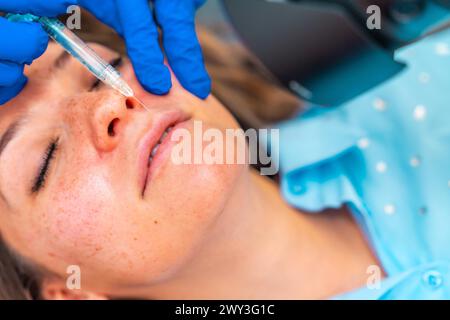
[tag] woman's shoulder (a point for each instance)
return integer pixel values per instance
(386, 155)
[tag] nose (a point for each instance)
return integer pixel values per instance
(110, 114)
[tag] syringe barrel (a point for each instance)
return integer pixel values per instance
(75, 46)
(114, 79)
(88, 57)
(78, 49)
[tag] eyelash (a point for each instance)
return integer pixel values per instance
(46, 161)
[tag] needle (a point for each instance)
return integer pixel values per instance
(141, 103)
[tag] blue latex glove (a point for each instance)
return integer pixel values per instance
(21, 43)
(133, 19)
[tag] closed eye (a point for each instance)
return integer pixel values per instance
(41, 177)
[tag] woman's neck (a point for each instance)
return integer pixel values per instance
(260, 248)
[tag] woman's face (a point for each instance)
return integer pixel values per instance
(75, 187)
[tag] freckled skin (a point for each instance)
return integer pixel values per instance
(91, 212)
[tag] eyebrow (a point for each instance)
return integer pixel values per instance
(13, 128)
(9, 134)
(5, 139)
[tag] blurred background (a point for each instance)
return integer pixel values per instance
(326, 52)
(211, 15)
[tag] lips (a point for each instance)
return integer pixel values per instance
(155, 140)
(158, 144)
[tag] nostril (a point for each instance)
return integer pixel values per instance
(130, 103)
(112, 127)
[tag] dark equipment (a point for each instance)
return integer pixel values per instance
(323, 50)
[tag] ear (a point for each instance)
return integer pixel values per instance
(56, 289)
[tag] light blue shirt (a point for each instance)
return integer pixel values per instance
(386, 155)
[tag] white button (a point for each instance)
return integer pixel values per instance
(442, 49)
(363, 143)
(424, 77)
(389, 209)
(433, 279)
(379, 104)
(415, 161)
(420, 112)
(381, 167)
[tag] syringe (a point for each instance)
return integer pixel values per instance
(80, 50)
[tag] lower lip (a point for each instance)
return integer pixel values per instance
(163, 152)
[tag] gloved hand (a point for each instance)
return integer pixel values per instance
(21, 43)
(133, 19)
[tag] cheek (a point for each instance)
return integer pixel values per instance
(79, 215)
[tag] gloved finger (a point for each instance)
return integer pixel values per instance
(10, 73)
(7, 93)
(21, 42)
(141, 38)
(105, 11)
(49, 8)
(199, 3)
(177, 20)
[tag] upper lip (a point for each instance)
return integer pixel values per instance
(160, 123)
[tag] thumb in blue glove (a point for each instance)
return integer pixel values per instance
(21, 43)
(134, 21)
